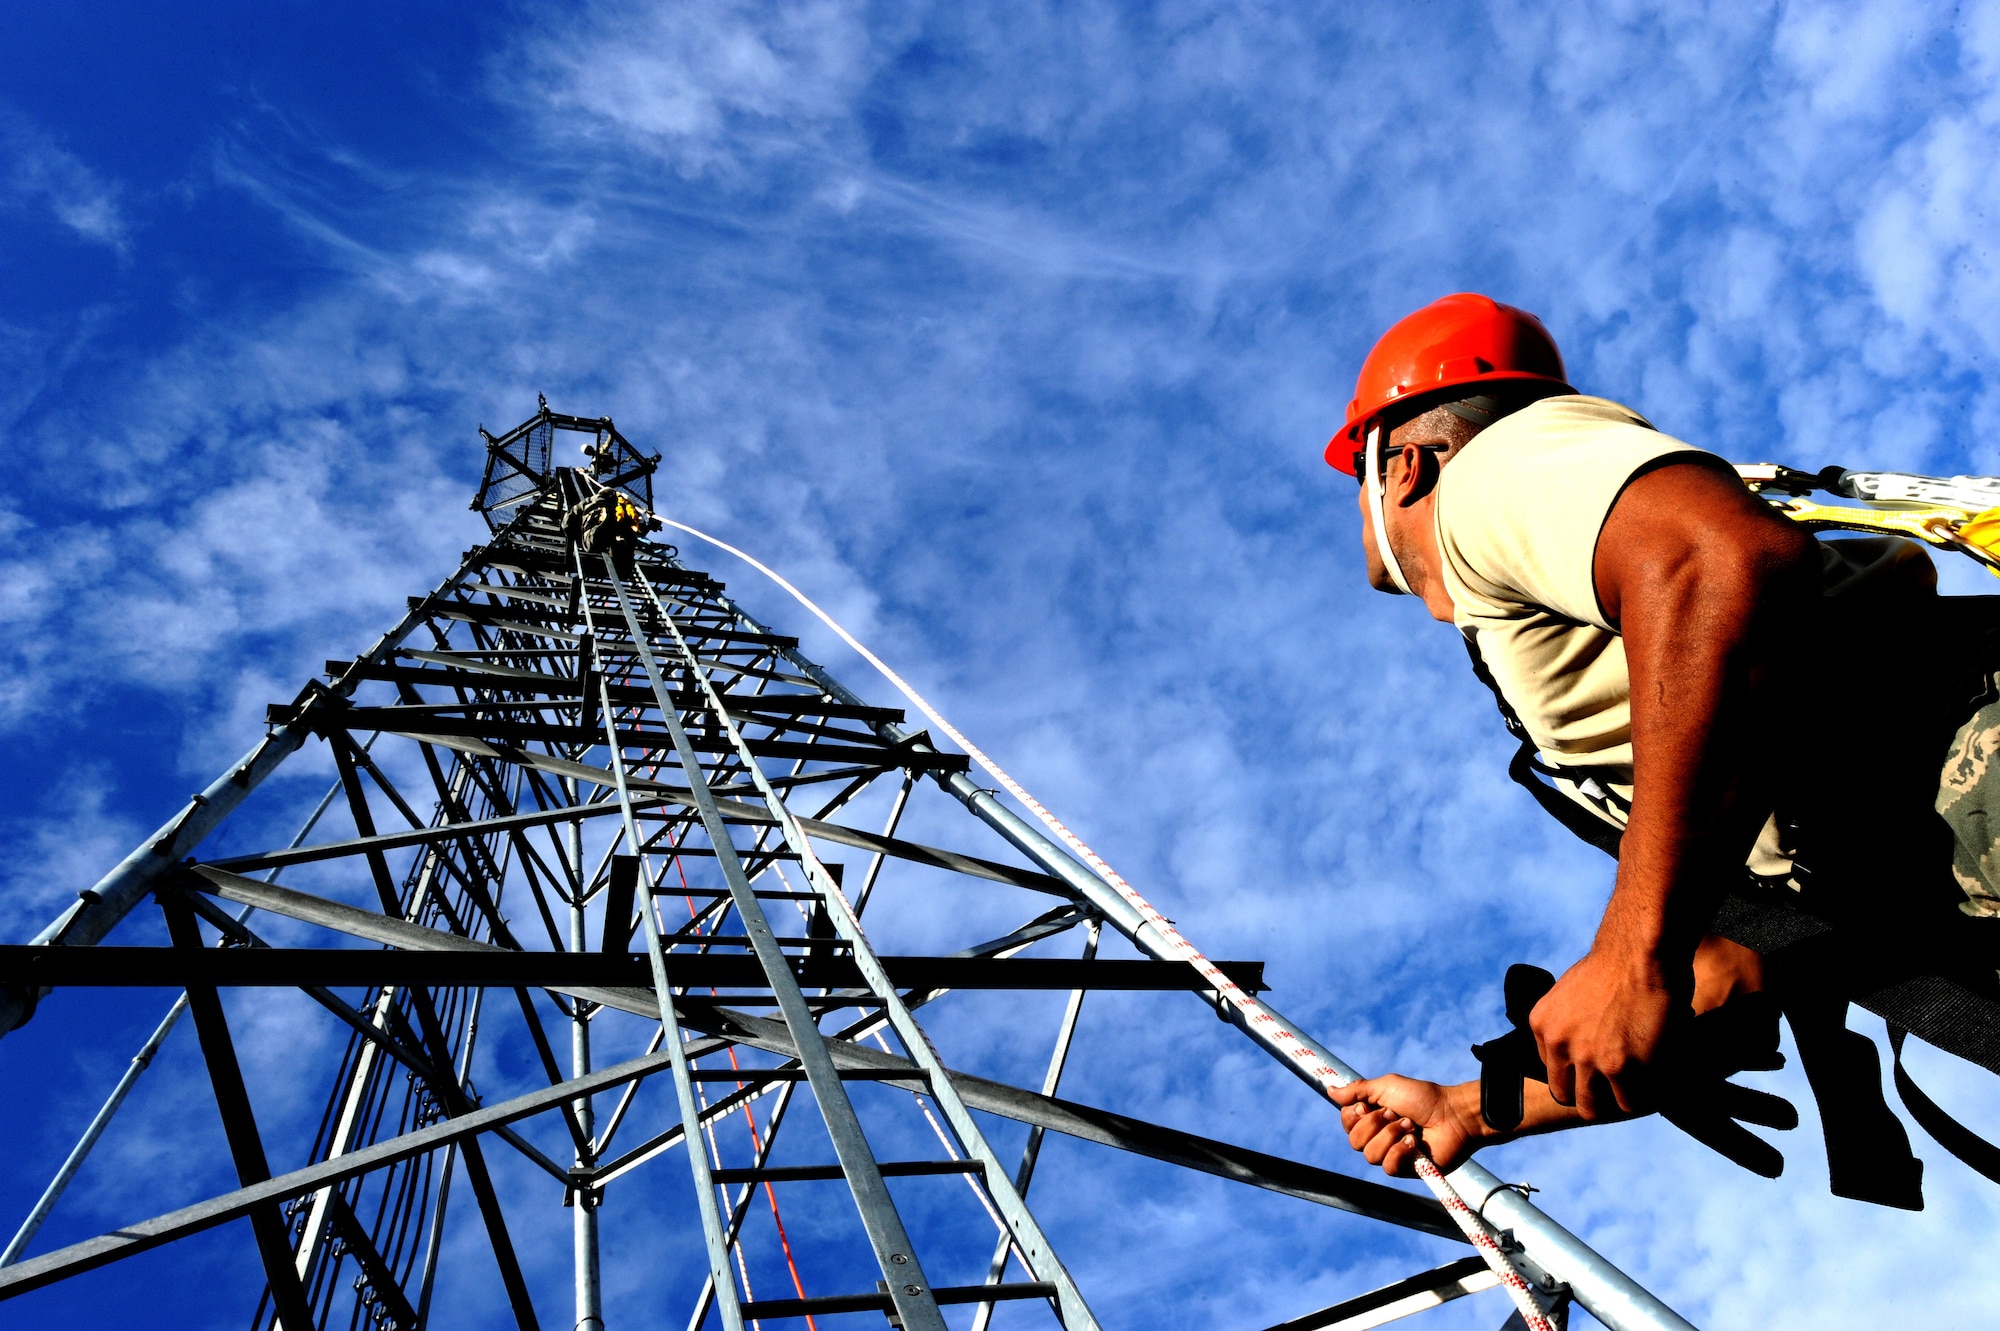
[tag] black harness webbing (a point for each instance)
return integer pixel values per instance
(1527, 769)
(1948, 1132)
(1817, 968)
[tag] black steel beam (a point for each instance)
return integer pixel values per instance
(1444, 1283)
(239, 1124)
(621, 890)
(553, 565)
(299, 967)
(426, 725)
(524, 620)
(828, 1173)
(480, 676)
(769, 1309)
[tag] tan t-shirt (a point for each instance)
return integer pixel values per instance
(1518, 511)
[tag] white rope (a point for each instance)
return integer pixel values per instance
(1299, 1054)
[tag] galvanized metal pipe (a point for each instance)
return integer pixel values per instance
(589, 1284)
(81, 1151)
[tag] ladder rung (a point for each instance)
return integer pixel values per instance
(799, 1074)
(1026, 1289)
(879, 1302)
(823, 946)
(766, 999)
(812, 1173)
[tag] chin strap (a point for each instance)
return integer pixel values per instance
(1373, 461)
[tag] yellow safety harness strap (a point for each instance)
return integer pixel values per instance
(1977, 536)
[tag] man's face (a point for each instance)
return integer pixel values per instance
(1378, 572)
(1408, 451)
(1393, 470)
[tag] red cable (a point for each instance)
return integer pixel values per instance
(750, 1117)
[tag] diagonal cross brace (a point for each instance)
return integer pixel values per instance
(239, 1125)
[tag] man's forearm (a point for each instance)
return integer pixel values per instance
(1706, 587)
(1539, 1114)
(1706, 613)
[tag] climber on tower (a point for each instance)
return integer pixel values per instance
(1683, 666)
(610, 523)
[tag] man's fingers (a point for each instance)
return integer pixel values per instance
(1600, 1096)
(1385, 1143)
(1562, 1078)
(1604, 1096)
(1628, 1092)
(1396, 1161)
(1367, 1126)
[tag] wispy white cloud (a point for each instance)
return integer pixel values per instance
(38, 175)
(708, 90)
(61, 843)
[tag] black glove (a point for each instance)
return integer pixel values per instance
(1701, 1054)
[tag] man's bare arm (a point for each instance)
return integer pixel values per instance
(1387, 1118)
(1707, 586)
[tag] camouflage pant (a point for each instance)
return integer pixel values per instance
(1968, 799)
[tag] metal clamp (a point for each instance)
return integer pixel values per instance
(1522, 1188)
(165, 844)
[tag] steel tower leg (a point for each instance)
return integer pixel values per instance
(589, 1289)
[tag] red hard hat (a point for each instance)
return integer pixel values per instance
(1449, 343)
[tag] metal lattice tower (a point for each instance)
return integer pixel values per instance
(582, 787)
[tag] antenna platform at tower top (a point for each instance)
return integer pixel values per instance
(577, 787)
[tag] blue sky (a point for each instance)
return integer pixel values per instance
(1013, 334)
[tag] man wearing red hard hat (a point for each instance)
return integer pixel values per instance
(1676, 658)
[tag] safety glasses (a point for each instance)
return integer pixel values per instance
(1361, 457)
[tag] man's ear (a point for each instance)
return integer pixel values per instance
(1415, 479)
